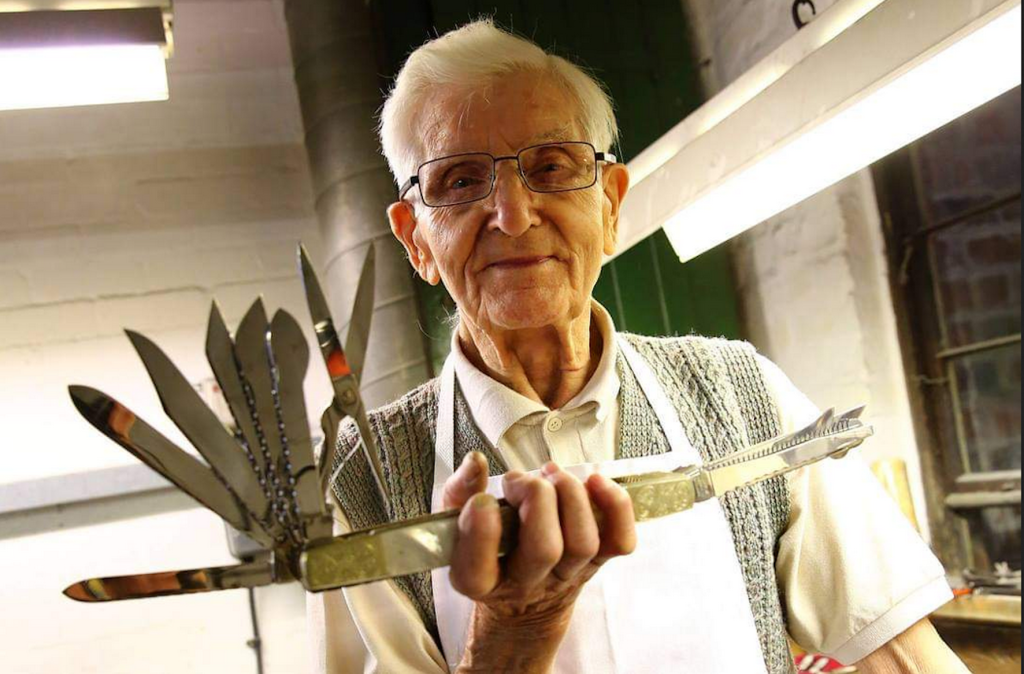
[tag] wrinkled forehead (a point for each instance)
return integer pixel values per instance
(502, 118)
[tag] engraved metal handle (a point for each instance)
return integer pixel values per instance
(427, 542)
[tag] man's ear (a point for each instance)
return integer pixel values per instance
(615, 183)
(405, 227)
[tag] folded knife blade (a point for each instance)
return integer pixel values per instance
(427, 542)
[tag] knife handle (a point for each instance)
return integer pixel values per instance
(427, 542)
(392, 550)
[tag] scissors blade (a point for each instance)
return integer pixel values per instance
(343, 378)
(358, 334)
(122, 426)
(166, 583)
(291, 358)
(330, 350)
(201, 426)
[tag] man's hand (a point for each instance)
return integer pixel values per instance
(523, 603)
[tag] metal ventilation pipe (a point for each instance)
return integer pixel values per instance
(333, 53)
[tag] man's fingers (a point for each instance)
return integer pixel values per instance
(474, 569)
(470, 478)
(618, 527)
(580, 536)
(539, 546)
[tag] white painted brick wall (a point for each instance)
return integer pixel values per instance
(813, 281)
(139, 215)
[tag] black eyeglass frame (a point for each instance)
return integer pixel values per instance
(415, 180)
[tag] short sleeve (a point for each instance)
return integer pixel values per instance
(853, 572)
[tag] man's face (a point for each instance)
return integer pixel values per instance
(517, 259)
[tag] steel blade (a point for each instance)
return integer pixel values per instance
(358, 332)
(187, 473)
(854, 413)
(251, 346)
(291, 358)
(329, 422)
(358, 413)
(810, 450)
(220, 352)
(201, 426)
(162, 584)
(343, 380)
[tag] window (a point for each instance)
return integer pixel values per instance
(951, 207)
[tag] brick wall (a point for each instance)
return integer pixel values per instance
(139, 215)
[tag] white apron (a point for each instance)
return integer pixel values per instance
(637, 614)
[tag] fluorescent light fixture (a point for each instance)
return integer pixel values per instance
(64, 76)
(805, 120)
(82, 57)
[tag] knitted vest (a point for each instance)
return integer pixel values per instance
(719, 393)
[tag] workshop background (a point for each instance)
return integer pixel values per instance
(139, 215)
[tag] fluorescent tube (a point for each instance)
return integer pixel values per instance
(866, 78)
(46, 77)
(969, 73)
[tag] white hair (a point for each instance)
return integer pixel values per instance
(474, 57)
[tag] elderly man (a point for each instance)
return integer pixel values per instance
(510, 198)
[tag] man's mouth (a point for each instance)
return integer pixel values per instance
(520, 262)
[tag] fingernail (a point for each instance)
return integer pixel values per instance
(471, 467)
(550, 468)
(483, 501)
(513, 475)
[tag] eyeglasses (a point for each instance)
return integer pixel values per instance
(463, 178)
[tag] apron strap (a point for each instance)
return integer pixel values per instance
(444, 446)
(659, 401)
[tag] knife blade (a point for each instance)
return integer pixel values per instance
(252, 347)
(192, 581)
(201, 426)
(290, 354)
(220, 352)
(122, 426)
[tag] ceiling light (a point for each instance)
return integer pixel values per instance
(865, 79)
(56, 58)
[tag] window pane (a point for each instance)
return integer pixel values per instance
(977, 265)
(996, 534)
(988, 384)
(973, 160)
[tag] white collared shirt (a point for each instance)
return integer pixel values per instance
(527, 433)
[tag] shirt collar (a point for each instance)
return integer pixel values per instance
(495, 407)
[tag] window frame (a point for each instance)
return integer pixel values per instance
(952, 490)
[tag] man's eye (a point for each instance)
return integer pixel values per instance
(549, 168)
(461, 183)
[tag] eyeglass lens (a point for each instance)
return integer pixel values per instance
(555, 167)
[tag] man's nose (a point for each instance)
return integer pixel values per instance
(512, 209)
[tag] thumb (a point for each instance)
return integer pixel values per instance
(469, 479)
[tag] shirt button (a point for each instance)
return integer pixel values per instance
(554, 424)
